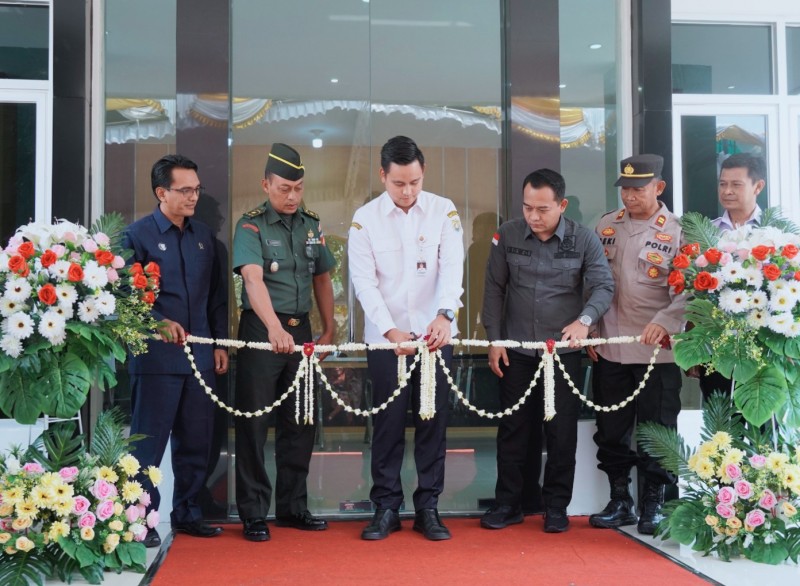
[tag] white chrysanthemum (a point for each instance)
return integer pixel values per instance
(757, 318)
(753, 277)
(781, 323)
(732, 272)
(18, 289)
(11, 345)
(781, 301)
(64, 311)
(105, 303)
(9, 306)
(53, 327)
(794, 329)
(87, 311)
(59, 269)
(19, 325)
(3, 262)
(734, 301)
(759, 300)
(777, 286)
(94, 275)
(67, 294)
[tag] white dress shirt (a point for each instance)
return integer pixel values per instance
(406, 266)
(724, 222)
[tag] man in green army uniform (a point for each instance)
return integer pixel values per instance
(280, 252)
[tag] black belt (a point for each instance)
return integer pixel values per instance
(291, 320)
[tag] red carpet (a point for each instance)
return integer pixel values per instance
(521, 554)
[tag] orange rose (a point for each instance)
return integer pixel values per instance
(18, 265)
(789, 251)
(140, 281)
(104, 257)
(679, 288)
(797, 276)
(675, 277)
(152, 268)
(75, 273)
(681, 261)
(691, 249)
(760, 252)
(26, 250)
(713, 255)
(136, 269)
(149, 297)
(48, 258)
(47, 294)
(772, 272)
(705, 281)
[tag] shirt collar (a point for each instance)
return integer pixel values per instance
(165, 224)
(273, 217)
(753, 220)
(387, 206)
(559, 231)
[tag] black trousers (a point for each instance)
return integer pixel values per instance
(659, 401)
(174, 408)
(389, 428)
(519, 435)
(713, 382)
(262, 377)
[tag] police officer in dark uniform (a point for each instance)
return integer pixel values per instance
(546, 278)
(166, 398)
(280, 251)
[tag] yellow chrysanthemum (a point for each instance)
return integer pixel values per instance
(707, 449)
(63, 506)
(722, 440)
(41, 496)
(58, 529)
(732, 456)
(50, 479)
(24, 544)
(127, 537)
(20, 523)
(116, 525)
(27, 509)
(128, 464)
(734, 523)
(790, 474)
(788, 509)
(154, 474)
(776, 461)
(4, 537)
(107, 473)
(705, 469)
(62, 491)
(87, 533)
(13, 496)
(6, 509)
(712, 521)
(131, 491)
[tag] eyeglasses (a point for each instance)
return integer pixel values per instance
(188, 191)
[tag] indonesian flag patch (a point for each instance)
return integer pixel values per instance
(496, 238)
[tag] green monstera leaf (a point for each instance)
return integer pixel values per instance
(68, 381)
(21, 397)
(762, 395)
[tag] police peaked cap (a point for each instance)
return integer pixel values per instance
(285, 162)
(639, 170)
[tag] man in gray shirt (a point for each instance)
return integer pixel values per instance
(547, 278)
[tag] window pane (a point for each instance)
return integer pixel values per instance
(24, 42)
(793, 58)
(706, 142)
(721, 59)
(17, 167)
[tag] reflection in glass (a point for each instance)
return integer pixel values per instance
(17, 166)
(24, 41)
(706, 142)
(793, 59)
(721, 59)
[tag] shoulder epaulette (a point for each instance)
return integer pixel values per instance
(256, 212)
(609, 213)
(310, 214)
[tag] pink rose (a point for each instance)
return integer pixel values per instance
(733, 471)
(112, 275)
(701, 261)
(80, 505)
(726, 258)
(103, 489)
(767, 500)
(743, 253)
(118, 262)
(59, 250)
(139, 531)
(754, 518)
(132, 513)
(87, 520)
(70, 237)
(145, 498)
(33, 468)
(152, 519)
(105, 510)
(758, 461)
(142, 510)
(102, 239)
(725, 511)
(726, 496)
(75, 256)
(68, 474)
(89, 245)
(743, 489)
(728, 247)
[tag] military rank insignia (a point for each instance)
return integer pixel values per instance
(655, 258)
(621, 214)
(663, 237)
(653, 273)
(661, 220)
(356, 225)
(608, 231)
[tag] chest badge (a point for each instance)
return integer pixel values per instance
(653, 273)
(310, 234)
(608, 231)
(663, 237)
(200, 246)
(162, 246)
(655, 258)
(273, 267)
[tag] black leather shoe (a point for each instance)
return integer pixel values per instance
(501, 516)
(304, 521)
(196, 529)
(555, 520)
(152, 539)
(427, 522)
(256, 529)
(384, 522)
(618, 513)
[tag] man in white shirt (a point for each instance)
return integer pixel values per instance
(406, 255)
(741, 179)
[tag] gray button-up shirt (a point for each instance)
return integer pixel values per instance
(533, 288)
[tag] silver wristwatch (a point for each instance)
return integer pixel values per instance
(449, 314)
(585, 320)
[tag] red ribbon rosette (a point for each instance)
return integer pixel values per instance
(308, 348)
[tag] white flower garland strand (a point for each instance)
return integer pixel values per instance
(427, 361)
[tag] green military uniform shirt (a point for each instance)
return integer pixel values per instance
(291, 252)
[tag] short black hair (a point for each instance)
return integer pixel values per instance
(547, 178)
(161, 174)
(400, 150)
(756, 166)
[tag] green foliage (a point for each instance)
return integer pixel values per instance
(774, 218)
(720, 415)
(112, 225)
(59, 446)
(665, 445)
(698, 228)
(761, 396)
(108, 441)
(24, 568)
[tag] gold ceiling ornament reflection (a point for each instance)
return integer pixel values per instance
(545, 119)
(490, 111)
(113, 104)
(212, 110)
